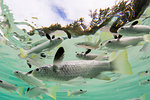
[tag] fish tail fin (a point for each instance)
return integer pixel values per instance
(20, 90)
(68, 93)
(52, 92)
(121, 64)
(23, 54)
(112, 56)
(143, 97)
(3, 41)
(146, 38)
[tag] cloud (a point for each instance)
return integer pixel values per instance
(26, 9)
(60, 12)
(80, 8)
(54, 11)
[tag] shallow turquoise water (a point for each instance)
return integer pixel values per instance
(124, 88)
(121, 87)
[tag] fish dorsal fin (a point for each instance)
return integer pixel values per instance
(48, 36)
(29, 72)
(28, 89)
(134, 23)
(119, 37)
(68, 34)
(53, 36)
(28, 63)
(115, 36)
(1, 81)
(59, 56)
(88, 51)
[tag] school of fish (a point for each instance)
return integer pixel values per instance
(114, 59)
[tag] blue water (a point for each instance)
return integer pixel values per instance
(121, 87)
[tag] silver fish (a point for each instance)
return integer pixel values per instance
(76, 92)
(134, 30)
(125, 42)
(11, 87)
(144, 82)
(28, 78)
(144, 73)
(68, 70)
(38, 91)
(7, 86)
(50, 44)
(84, 56)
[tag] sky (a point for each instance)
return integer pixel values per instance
(54, 11)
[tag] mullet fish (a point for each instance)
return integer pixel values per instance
(66, 71)
(134, 30)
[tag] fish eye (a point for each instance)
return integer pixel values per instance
(148, 80)
(43, 55)
(1, 81)
(109, 41)
(146, 71)
(58, 38)
(17, 72)
(81, 90)
(37, 69)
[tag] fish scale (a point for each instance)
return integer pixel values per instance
(70, 71)
(67, 71)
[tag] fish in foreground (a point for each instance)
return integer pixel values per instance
(134, 30)
(28, 78)
(144, 73)
(49, 45)
(123, 43)
(76, 92)
(10, 87)
(66, 71)
(143, 97)
(38, 91)
(144, 82)
(84, 56)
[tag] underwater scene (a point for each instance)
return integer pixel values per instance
(74, 50)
